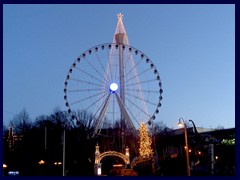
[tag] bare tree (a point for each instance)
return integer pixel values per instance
(21, 122)
(5, 130)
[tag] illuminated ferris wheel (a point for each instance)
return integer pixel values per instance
(114, 82)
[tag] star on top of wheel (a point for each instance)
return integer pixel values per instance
(120, 16)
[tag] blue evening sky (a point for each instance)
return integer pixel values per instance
(192, 46)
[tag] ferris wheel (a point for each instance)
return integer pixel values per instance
(114, 82)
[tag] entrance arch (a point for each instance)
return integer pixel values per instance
(99, 156)
(124, 157)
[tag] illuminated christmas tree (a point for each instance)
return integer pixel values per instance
(145, 142)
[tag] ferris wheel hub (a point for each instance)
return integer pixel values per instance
(113, 87)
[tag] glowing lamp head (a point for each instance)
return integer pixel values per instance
(113, 87)
(180, 124)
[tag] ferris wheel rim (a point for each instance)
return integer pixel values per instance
(107, 45)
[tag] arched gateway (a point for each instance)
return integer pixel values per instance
(99, 156)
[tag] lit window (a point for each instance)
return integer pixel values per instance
(99, 171)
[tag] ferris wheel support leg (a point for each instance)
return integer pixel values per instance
(101, 115)
(120, 37)
(126, 116)
(122, 93)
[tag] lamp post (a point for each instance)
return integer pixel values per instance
(4, 169)
(180, 124)
(64, 152)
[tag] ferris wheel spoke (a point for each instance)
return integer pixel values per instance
(89, 75)
(85, 82)
(142, 90)
(113, 105)
(133, 67)
(83, 90)
(133, 116)
(137, 75)
(111, 64)
(93, 103)
(143, 82)
(143, 100)
(84, 99)
(125, 113)
(134, 104)
(93, 124)
(127, 61)
(104, 70)
(97, 71)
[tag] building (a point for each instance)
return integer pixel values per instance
(211, 152)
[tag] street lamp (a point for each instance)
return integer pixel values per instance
(4, 166)
(180, 124)
(41, 162)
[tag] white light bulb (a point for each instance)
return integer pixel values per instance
(113, 87)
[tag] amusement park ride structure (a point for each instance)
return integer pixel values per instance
(116, 83)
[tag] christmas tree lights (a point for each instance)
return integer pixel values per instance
(145, 149)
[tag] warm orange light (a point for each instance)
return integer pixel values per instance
(216, 157)
(189, 150)
(57, 163)
(180, 124)
(199, 152)
(41, 162)
(117, 165)
(4, 166)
